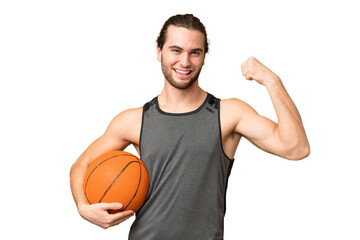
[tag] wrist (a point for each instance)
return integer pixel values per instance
(273, 82)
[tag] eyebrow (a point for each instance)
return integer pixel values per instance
(192, 50)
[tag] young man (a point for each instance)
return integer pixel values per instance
(187, 138)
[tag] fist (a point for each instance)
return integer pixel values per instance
(253, 69)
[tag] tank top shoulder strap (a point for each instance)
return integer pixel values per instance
(214, 102)
(149, 104)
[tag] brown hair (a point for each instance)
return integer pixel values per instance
(188, 21)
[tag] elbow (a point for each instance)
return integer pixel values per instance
(298, 152)
(73, 169)
(76, 167)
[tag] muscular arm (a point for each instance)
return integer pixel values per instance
(287, 138)
(123, 130)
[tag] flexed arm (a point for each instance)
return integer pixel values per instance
(287, 138)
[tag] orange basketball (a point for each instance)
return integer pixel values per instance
(117, 176)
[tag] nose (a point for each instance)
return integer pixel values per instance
(184, 60)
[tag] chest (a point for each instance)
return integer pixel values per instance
(166, 135)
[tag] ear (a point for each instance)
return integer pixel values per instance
(158, 50)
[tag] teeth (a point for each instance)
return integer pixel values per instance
(182, 72)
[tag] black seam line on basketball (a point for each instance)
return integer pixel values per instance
(105, 161)
(137, 189)
(102, 197)
(87, 180)
(123, 154)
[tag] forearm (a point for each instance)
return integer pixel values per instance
(78, 169)
(290, 128)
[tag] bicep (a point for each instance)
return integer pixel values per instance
(259, 130)
(105, 143)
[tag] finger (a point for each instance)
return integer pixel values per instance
(120, 221)
(248, 76)
(109, 224)
(243, 64)
(121, 216)
(127, 213)
(244, 70)
(111, 206)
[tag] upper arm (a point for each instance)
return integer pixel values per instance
(259, 130)
(123, 130)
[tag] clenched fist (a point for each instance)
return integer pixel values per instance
(253, 69)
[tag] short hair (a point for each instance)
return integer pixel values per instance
(188, 21)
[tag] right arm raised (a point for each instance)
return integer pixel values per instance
(123, 130)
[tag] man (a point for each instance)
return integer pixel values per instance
(187, 138)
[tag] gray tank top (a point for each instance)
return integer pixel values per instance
(188, 172)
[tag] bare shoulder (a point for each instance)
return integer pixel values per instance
(233, 114)
(235, 107)
(127, 124)
(132, 114)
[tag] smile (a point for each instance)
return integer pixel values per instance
(182, 72)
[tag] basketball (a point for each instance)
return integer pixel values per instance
(117, 176)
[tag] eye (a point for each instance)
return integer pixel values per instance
(175, 50)
(195, 53)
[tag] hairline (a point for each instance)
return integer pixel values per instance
(188, 28)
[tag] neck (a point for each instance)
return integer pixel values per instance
(176, 100)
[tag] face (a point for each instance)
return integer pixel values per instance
(182, 56)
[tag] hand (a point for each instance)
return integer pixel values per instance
(253, 69)
(99, 215)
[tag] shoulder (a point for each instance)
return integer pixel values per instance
(128, 117)
(235, 114)
(232, 112)
(234, 106)
(126, 125)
